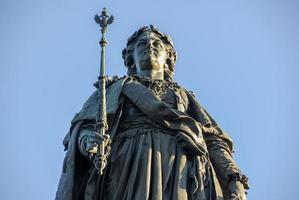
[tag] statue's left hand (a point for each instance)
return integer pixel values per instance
(237, 191)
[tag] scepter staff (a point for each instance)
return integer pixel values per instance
(101, 125)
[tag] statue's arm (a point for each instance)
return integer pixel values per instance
(221, 157)
(220, 148)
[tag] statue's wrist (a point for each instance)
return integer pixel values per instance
(238, 177)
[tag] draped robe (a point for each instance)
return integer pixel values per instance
(170, 156)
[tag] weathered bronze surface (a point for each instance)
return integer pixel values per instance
(164, 143)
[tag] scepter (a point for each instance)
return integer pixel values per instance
(101, 125)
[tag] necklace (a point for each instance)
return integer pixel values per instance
(157, 86)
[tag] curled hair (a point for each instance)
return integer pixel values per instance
(127, 53)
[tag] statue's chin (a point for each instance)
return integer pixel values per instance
(150, 64)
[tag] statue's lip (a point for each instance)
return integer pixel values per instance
(150, 53)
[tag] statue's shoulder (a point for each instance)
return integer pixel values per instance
(110, 81)
(115, 79)
(191, 93)
(185, 91)
(89, 108)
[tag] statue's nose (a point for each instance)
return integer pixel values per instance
(150, 45)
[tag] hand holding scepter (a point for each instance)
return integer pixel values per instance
(101, 126)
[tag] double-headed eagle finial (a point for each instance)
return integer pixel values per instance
(104, 19)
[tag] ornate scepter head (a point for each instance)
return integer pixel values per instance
(103, 20)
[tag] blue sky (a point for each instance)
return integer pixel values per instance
(241, 59)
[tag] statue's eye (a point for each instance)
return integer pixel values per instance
(157, 44)
(141, 44)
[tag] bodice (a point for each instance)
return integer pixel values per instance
(132, 116)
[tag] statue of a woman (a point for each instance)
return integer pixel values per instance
(164, 144)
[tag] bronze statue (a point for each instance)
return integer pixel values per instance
(164, 143)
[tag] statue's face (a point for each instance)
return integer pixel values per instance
(149, 53)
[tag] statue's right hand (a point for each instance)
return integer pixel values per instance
(89, 141)
(93, 141)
